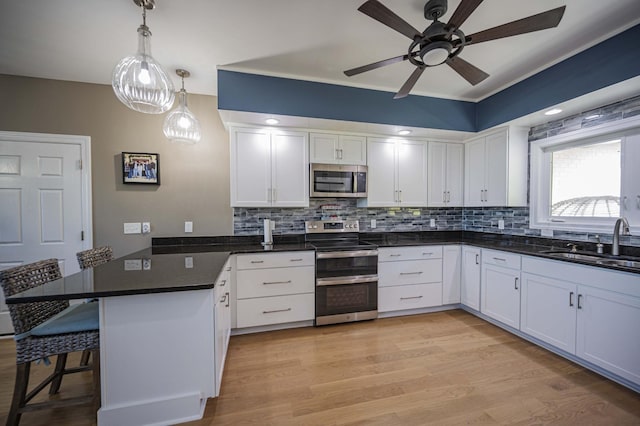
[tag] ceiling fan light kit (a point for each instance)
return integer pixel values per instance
(442, 43)
(139, 81)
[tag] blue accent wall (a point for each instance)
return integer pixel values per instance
(609, 62)
(274, 95)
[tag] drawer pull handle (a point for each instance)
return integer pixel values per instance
(579, 301)
(295, 260)
(257, 261)
(500, 259)
(477, 263)
(570, 298)
(228, 300)
(427, 253)
(276, 282)
(515, 284)
(228, 268)
(412, 297)
(411, 273)
(223, 283)
(277, 310)
(395, 255)
(224, 299)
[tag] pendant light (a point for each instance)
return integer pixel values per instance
(138, 80)
(180, 125)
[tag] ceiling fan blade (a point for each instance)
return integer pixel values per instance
(408, 85)
(381, 13)
(465, 8)
(471, 73)
(541, 21)
(379, 64)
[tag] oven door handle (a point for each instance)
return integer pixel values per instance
(339, 254)
(355, 279)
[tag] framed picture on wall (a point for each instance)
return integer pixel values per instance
(140, 167)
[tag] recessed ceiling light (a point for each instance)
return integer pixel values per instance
(553, 111)
(404, 132)
(271, 121)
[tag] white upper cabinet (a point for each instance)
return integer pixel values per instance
(269, 168)
(496, 169)
(397, 173)
(445, 174)
(630, 203)
(338, 149)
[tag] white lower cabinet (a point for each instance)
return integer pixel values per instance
(222, 321)
(501, 287)
(451, 258)
(409, 278)
(275, 288)
(470, 277)
(590, 312)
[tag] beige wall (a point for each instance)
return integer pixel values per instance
(194, 178)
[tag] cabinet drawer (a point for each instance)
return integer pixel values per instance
(409, 297)
(500, 258)
(392, 254)
(409, 272)
(275, 282)
(276, 260)
(275, 310)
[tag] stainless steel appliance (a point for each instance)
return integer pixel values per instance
(336, 180)
(346, 272)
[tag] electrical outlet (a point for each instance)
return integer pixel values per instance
(188, 262)
(132, 228)
(188, 227)
(146, 227)
(373, 224)
(432, 223)
(500, 223)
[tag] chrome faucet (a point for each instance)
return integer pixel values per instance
(615, 246)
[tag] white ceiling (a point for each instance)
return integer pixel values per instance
(311, 40)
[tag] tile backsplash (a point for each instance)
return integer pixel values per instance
(248, 221)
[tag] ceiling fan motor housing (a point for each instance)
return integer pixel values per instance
(434, 9)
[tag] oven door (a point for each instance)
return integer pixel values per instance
(348, 263)
(346, 299)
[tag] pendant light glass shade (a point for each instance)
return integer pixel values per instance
(139, 81)
(180, 125)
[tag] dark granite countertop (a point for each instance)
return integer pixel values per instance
(164, 266)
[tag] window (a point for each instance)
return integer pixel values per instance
(584, 180)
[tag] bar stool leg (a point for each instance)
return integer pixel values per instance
(19, 393)
(59, 372)
(84, 361)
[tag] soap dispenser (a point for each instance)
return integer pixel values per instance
(599, 245)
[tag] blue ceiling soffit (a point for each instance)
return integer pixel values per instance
(609, 62)
(274, 95)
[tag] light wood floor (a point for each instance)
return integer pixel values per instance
(442, 368)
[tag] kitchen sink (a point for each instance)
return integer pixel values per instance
(595, 258)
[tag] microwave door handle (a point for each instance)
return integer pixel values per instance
(355, 182)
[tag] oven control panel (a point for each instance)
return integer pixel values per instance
(322, 226)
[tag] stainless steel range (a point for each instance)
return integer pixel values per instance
(346, 272)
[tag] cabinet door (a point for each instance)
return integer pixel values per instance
(412, 173)
(548, 311)
(437, 170)
(290, 169)
(630, 205)
(454, 174)
(496, 169)
(353, 150)
(607, 331)
(250, 168)
(323, 148)
(381, 162)
(451, 275)
(501, 294)
(470, 286)
(474, 173)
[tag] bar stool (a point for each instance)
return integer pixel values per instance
(44, 329)
(88, 259)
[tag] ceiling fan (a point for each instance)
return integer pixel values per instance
(441, 43)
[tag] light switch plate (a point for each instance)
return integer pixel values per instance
(432, 223)
(146, 227)
(188, 227)
(188, 262)
(132, 228)
(133, 265)
(500, 223)
(373, 224)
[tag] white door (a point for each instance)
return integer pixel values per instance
(548, 311)
(454, 174)
(381, 163)
(470, 286)
(631, 180)
(501, 294)
(474, 173)
(451, 275)
(290, 169)
(412, 173)
(44, 202)
(353, 150)
(250, 168)
(496, 170)
(437, 174)
(324, 148)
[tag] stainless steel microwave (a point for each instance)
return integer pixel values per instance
(336, 180)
